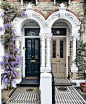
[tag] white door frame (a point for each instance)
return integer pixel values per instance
(23, 44)
(67, 44)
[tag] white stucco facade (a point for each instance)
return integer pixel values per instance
(45, 25)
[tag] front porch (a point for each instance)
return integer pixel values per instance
(62, 94)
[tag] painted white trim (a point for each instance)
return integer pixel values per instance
(46, 25)
(32, 36)
(77, 82)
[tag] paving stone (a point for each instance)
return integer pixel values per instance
(68, 97)
(25, 95)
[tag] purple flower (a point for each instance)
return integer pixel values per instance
(17, 66)
(2, 63)
(2, 15)
(7, 57)
(12, 69)
(5, 26)
(23, 14)
(6, 80)
(10, 78)
(13, 31)
(11, 72)
(18, 7)
(4, 76)
(8, 72)
(13, 76)
(5, 72)
(15, 50)
(8, 24)
(1, 28)
(13, 39)
(7, 67)
(6, 17)
(6, 62)
(12, 63)
(16, 74)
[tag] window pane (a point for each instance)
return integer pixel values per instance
(32, 31)
(36, 49)
(61, 48)
(59, 31)
(54, 48)
(29, 49)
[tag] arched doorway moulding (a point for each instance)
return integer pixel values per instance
(73, 24)
(45, 29)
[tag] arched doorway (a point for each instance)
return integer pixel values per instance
(31, 38)
(59, 47)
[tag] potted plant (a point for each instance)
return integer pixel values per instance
(81, 60)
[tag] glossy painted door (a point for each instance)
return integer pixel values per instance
(32, 57)
(58, 60)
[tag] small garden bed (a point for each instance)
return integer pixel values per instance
(6, 94)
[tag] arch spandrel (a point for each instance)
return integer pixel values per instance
(69, 18)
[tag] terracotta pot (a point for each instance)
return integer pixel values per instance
(83, 87)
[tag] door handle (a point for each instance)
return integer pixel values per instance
(57, 60)
(33, 60)
(32, 56)
(57, 54)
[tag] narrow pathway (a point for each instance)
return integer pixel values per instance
(65, 93)
(29, 95)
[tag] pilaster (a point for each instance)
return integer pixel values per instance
(74, 68)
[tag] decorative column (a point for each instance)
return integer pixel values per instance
(69, 1)
(45, 76)
(54, 2)
(73, 67)
(36, 2)
(48, 65)
(67, 49)
(21, 2)
(43, 50)
(48, 52)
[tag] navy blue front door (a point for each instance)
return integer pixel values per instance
(32, 57)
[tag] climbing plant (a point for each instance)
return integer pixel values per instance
(11, 60)
(81, 55)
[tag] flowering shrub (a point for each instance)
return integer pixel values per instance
(11, 60)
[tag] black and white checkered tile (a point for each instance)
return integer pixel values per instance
(70, 97)
(29, 98)
(61, 80)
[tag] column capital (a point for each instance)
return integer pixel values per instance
(49, 36)
(42, 36)
(76, 36)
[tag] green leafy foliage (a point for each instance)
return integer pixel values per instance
(81, 55)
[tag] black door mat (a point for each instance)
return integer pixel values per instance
(29, 82)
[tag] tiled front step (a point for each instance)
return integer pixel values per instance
(70, 96)
(29, 82)
(62, 81)
(25, 95)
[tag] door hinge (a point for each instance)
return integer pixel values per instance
(65, 64)
(25, 49)
(25, 66)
